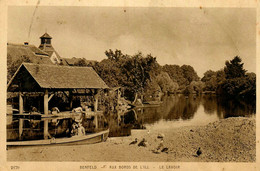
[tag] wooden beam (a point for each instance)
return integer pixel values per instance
(50, 97)
(20, 103)
(34, 93)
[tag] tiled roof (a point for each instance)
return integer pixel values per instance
(46, 35)
(36, 55)
(63, 77)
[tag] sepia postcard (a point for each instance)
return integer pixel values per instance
(129, 85)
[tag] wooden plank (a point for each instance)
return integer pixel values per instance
(32, 94)
(28, 116)
(59, 140)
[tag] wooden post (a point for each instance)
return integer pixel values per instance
(70, 99)
(46, 99)
(96, 107)
(20, 103)
(46, 112)
(20, 128)
(118, 118)
(45, 130)
(102, 137)
(96, 121)
(96, 101)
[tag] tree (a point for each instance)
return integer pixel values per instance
(212, 79)
(183, 75)
(81, 63)
(166, 84)
(131, 72)
(189, 73)
(194, 87)
(176, 74)
(139, 70)
(12, 66)
(238, 83)
(234, 68)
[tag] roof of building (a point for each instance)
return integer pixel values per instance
(58, 77)
(46, 35)
(36, 55)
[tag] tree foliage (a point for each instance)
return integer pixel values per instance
(12, 66)
(131, 72)
(212, 79)
(81, 63)
(183, 75)
(238, 83)
(231, 82)
(166, 84)
(234, 68)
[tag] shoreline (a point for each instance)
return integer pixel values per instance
(226, 140)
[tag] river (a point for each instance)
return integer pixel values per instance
(180, 110)
(174, 111)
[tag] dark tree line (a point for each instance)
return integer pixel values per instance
(231, 82)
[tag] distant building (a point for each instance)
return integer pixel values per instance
(47, 47)
(45, 54)
(74, 61)
(34, 54)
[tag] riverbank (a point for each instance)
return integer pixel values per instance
(227, 140)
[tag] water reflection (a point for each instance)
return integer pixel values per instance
(33, 129)
(235, 108)
(180, 110)
(175, 111)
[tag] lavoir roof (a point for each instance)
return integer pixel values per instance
(32, 77)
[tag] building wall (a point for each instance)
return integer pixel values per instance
(54, 58)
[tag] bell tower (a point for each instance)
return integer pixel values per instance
(45, 42)
(46, 38)
(46, 46)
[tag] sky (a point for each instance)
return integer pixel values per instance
(201, 37)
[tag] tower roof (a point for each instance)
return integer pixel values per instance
(46, 35)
